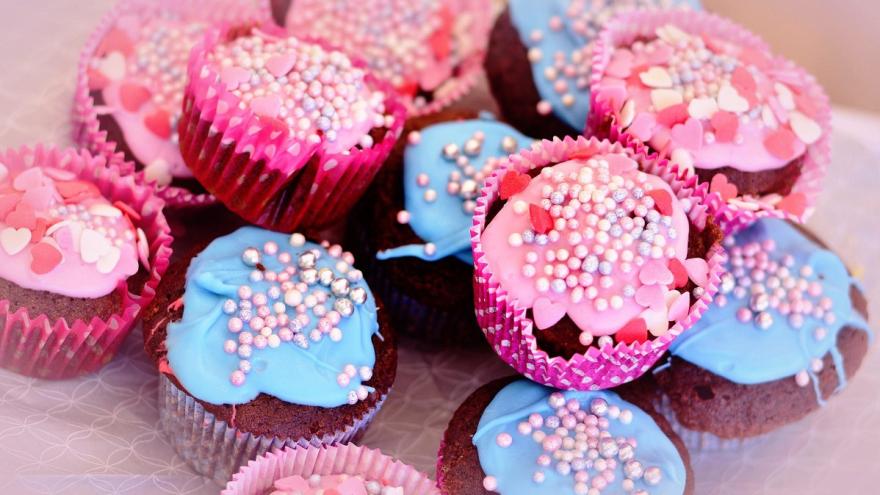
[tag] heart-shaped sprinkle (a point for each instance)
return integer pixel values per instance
(39, 198)
(143, 248)
(29, 179)
(76, 189)
(547, 313)
(44, 258)
(620, 164)
(784, 96)
(8, 202)
(656, 77)
(665, 98)
(116, 40)
(14, 240)
(104, 210)
(679, 307)
(650, 296)
(109, 261)
(636, 330)
(93, 246)
(233, 76)
(159, 123)
(628, 113)
(782, 143)
(512, 183)
(722, 187)
(280, 65)
(128, 211)
(542, 222)
(679, 273)
(730, 100)
(266, 106)
(794, 204)
(621, 64)
(725, 125)
(63, 236)
(698, 270)
(662, 201)
(159, 172)
(656, 320)
(768, 118)
(133, 96)
(642, 126)
(805, 128)
(683, 159)
(655, 272)
(807, 105)
(22, 217)
(702, 108)
(97, 80)
(113, 66)
(673, 115)
(688, 135)
(39, 231)
(745, 84)
(58, 173)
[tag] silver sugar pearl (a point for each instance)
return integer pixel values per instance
(340, 287)
(309, 276)
(763, 320)
(626, 452)
(599, 407)
(472, 147)
(653, 475)
(251, 256)
(344, 307)
(608, 448)
(508, 144)
(450, 151)
(633, 470)
(358, 295)
(759, 302)
(325, 276)
(229, 307)
(307, 260)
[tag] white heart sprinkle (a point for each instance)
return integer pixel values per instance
(683, 158)
(158, 171)
(14, 240)
(670, 34)
(730, 100)
(805, 128)
(663, 98)
(768, 118)
(93, 245)
(56, 227)
(786, 99)
(628, 113)
(656, 77)
(109, 261)
(143, 247)
(702, 108)
(113, 66)
(105, 210)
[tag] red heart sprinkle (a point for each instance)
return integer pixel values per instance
(542, 222)
(76, 188)
(128, 211)
(8, 203)
(794, 203)
(674, 115)
(722, 187)
(679, 273)
(662, 201)
(115, 41)
(512, 183)
(22, 217)
(133, 96)
(744, 84)
(634, 331)
(39, 231)
(725, 124)
(44, 258)
(781, 143)
(159, 123)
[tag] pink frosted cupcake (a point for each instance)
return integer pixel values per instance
(284, 132)
(590, 259)
(347, 469)
(81, 253)
(431, 51)
(130, 85)
(709, 95)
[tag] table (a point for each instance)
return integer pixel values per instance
(98, 434)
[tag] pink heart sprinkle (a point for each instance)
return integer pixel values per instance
(688, 135)
(642, 126)
(698, 270)
(547, 313)
(650, 296)
(266, 106)
(655, 272)
(724, 124)
(782, 144)
(233, 76)
(722, 187)
(620, 164)
(29, 179)
(280, 65)
(794, 204)
(620, 65)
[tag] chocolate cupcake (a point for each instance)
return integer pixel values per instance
(131, 80)
(540, 55)
(414, 223)
(591, 259)
(712, 97)
(269, 340)
(787, 330)
(513, 436)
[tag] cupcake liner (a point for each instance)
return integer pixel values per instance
(33, 344)
(701, 441)
(259, 476)
(259, 172)
(741, 211)
(86, 127)
(511, 333)
(215, 449)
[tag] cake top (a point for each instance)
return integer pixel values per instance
(59, 234)
(273, 313)
(711, 101)
(536, 440)
(560, 36)
(319, 95)
(597, 240)
(445, 166)
(780, 307)
(336, 484)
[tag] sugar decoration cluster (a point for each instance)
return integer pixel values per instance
(303, 305)
(578, 443)
(771, 287)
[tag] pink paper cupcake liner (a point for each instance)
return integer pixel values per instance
(215, 449)
(259, 172)
(504, 321)
(258, 476)
(33, 344)
(738, 212)
(86, 127)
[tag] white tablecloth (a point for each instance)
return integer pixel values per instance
(98, 434)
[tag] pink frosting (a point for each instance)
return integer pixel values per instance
(338, 484)
(708, 102)
(612, 253)
(58, 234)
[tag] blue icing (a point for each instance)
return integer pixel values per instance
(514, 467)
(445, 221)
(742, 351)
(530, 16)
(289, 371)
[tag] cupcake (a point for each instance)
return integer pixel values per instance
(712, 97)
(347, 469)
(539, 60)
(787, 330)
(266, 340)
(513, 436)
(415, 221)
(590, 260)
(131, 79)
(284, 132)
(430, 51)
(81, 253)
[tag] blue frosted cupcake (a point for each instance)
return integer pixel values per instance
(786, 332)
(265, 340)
